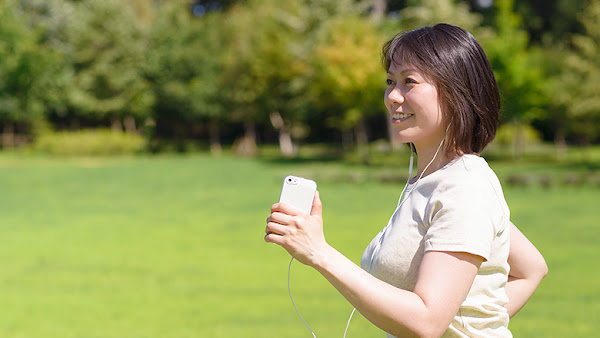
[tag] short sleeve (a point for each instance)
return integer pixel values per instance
(462, 218)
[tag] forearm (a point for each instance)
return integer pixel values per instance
(527, 269)
(396, 311)
(426, 311)
(519, 290)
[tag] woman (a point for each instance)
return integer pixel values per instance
(449, 263)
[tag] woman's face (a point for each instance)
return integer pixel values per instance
(413, 105)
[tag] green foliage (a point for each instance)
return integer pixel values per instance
(508, 133)
(430, 12)
(184, 67)
(12, 39)
(106, 50)
(26, 68)
(576, 89)
(347, 65)
(271, 65)
(268, 65)
(96, 142)
(551, 21)
(312, 64)
(514, 139)
(516, 66)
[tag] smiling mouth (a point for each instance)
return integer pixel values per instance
(401, 116)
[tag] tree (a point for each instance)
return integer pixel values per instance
(184, 67)
(551, 20)
(106, 49)
(576, 88)
(26, 74)
(267, 69)
(348, 79)
(50, 20)
(429, 12)
(268, 64)
(517, 69)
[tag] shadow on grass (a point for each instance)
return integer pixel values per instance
(281, 160)
(582, 166)
(307, 155)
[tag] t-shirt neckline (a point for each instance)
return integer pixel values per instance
(446, 166)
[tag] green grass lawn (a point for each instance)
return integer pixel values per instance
(172, 246)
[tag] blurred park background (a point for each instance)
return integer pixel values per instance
(143, 142)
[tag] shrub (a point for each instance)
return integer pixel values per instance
(508, 134)
(89, 142)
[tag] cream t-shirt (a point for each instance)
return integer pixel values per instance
(458, 208)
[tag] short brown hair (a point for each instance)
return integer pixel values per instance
(453, 60)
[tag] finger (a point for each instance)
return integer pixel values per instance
(286, 208)
(274, 238)
(317, 206)
(279, 217)
(275, 228)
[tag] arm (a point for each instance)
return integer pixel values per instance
(425, 312)
(527, 269)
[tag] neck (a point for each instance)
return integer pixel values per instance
(427, 164)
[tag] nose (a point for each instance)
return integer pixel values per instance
(394, 97)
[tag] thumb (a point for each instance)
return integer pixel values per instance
(317, 206)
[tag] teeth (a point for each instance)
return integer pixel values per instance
(400, 116)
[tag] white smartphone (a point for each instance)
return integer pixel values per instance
(298, 192)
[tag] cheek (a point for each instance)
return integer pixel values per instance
(386, 98)
(436, 111)
(432, 105)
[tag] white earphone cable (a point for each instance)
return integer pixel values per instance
(400, 202)
(349, 319)
(293, 303)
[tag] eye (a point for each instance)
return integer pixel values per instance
(389, 82)
(410, 80)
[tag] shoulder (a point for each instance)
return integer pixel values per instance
(466, 174)
(466, 211)
(469, 185)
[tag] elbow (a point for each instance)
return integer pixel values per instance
(542, 270)
(535, 273)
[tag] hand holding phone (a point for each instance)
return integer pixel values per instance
(298, 192)
(296, 223)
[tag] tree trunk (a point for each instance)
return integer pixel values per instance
(379, 8)
(214, 135)
(286, 145)
(560, 145)
(362, 141)
(246, 145)
(116, 125)
(347, 139)
(8, 136)
(129, 123)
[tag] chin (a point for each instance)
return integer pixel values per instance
(401, 139)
